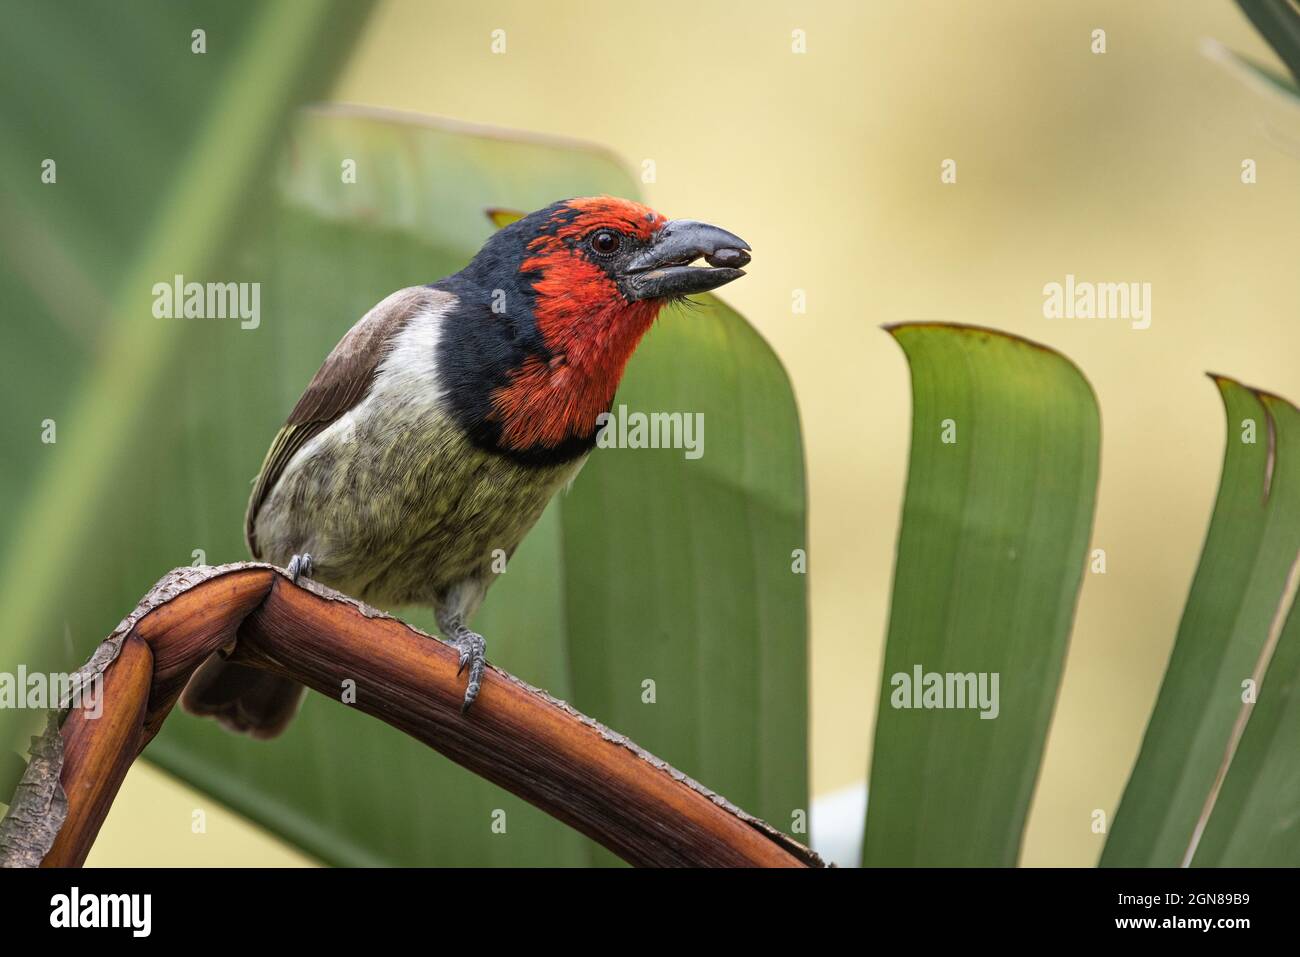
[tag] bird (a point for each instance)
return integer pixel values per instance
(443, 422)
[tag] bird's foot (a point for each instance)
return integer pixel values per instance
(299, 566)
(473, 649)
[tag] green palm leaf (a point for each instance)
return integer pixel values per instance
(1001, 486)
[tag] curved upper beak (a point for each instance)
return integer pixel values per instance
(664, 269)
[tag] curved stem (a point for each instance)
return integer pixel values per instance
(517, 736)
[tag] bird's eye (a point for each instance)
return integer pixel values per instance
(605, 242)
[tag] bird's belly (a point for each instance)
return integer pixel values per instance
(401, 508)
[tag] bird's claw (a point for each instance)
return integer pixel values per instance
(472, 648)
(299, 567)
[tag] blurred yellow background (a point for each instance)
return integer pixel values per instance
(1116, 167)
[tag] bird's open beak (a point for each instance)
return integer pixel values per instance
(665, 268)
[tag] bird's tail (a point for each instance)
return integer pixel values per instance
(243, 699)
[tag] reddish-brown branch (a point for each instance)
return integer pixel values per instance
(516, 736)
(97, 752)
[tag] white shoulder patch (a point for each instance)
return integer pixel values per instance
(409, 372)
(407, 377)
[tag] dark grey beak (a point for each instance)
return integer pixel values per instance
(665, 268)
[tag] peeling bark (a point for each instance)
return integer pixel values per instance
(39, 805)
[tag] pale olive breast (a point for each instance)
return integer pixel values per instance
(398, 507)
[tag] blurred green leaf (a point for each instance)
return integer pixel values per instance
(991, 554)
(12, 766)
(158, 151)
(682, 571)
(1240, 584)
(653, 567)
(1279, 22)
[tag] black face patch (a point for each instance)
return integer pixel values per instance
(487, 337)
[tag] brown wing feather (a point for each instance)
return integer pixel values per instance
(342, 381)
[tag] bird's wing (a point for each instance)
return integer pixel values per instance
(342, 381)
